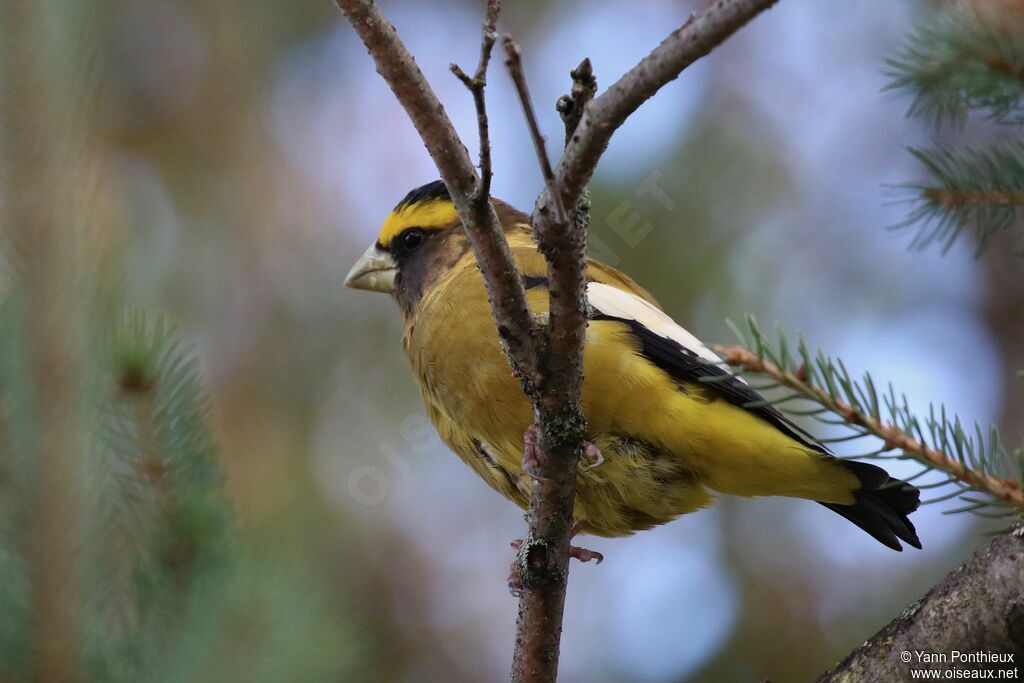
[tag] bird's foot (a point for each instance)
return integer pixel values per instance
(593, 455)
(582, 554)
(585, 555)
(531, 462)
(515, 580)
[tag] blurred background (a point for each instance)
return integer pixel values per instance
(247, 153)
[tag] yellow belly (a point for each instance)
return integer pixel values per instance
(666, 447)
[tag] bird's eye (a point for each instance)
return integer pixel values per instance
(412, 238)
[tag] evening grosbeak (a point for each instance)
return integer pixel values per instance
(670, 438)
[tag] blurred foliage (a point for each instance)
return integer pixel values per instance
(120, 557)
(967, 59)
(971, 186)
(169, 591)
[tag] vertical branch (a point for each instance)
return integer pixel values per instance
(571, 106)
(41, 126)
(543, 562)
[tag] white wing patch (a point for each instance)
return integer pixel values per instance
(617, 303)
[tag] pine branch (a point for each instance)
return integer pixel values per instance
(975, 461)
(961, 61)
(162, 532)
(982, 188)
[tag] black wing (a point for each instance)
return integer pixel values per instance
(883, 503)
(684, 365)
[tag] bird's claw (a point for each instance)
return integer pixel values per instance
(515, 581)
(585, 555)
(593, 455)
(531, 463)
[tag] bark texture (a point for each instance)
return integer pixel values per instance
(979, 607)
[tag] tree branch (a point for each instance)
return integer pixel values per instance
(543, 560)
(954, 199)
(476, 85)
(514, 63)
(570, 107)
(603, 116)
(548, 359)
(979, 607)
(1005, 490)
(397, 66)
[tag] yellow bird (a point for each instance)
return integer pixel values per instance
(670, 441)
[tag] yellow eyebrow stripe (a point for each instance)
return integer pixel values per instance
(432, 214)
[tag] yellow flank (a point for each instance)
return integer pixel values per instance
(667, 448)
(432, 214)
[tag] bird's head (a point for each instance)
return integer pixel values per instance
(421, 239)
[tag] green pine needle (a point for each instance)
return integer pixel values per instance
(959, 62)
(977, 187)
(967, 459)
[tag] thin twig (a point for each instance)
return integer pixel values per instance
(396, 65)
(514, 62)
(953, 199)
(571, 106)
(476, 86)
(1002, 489)
(607, 112)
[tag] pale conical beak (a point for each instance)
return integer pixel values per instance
(375, 270)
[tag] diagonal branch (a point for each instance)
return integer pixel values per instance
(514, 63)
(979, 607)
(1003, 489)
(603, 116)
(398, 67)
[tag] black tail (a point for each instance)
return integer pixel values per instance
(882, 506)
